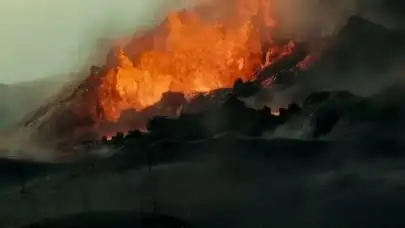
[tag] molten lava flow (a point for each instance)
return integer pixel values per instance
(197, 50)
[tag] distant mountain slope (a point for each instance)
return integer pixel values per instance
(362, 58)
(17, 100)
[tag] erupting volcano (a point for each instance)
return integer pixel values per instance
(192, 51)
(215, 117)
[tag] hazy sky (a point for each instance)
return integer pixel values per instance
(42, 38)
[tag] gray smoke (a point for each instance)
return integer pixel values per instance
(308, 18)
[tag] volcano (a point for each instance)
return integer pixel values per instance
(192, 52)
(197, 154)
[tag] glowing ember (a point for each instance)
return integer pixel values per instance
(305, 63)
(275, 112)
(197, 50)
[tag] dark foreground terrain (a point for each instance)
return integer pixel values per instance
(224, 182)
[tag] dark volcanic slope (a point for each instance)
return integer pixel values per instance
(227, 181)
(230, 182)
(363, 57)
(17, 100)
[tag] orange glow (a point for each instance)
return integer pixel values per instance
(275, 112)
(191, 51)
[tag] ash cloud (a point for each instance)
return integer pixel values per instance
(312, 18)
(308, 18)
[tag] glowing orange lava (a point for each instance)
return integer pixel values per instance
(194, 50)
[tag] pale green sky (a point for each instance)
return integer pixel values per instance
(41, 38)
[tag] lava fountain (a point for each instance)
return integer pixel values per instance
(191, 51)
(195, 50)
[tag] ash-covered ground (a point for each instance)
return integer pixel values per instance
(333, 157)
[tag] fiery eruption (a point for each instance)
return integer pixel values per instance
(194, 50)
